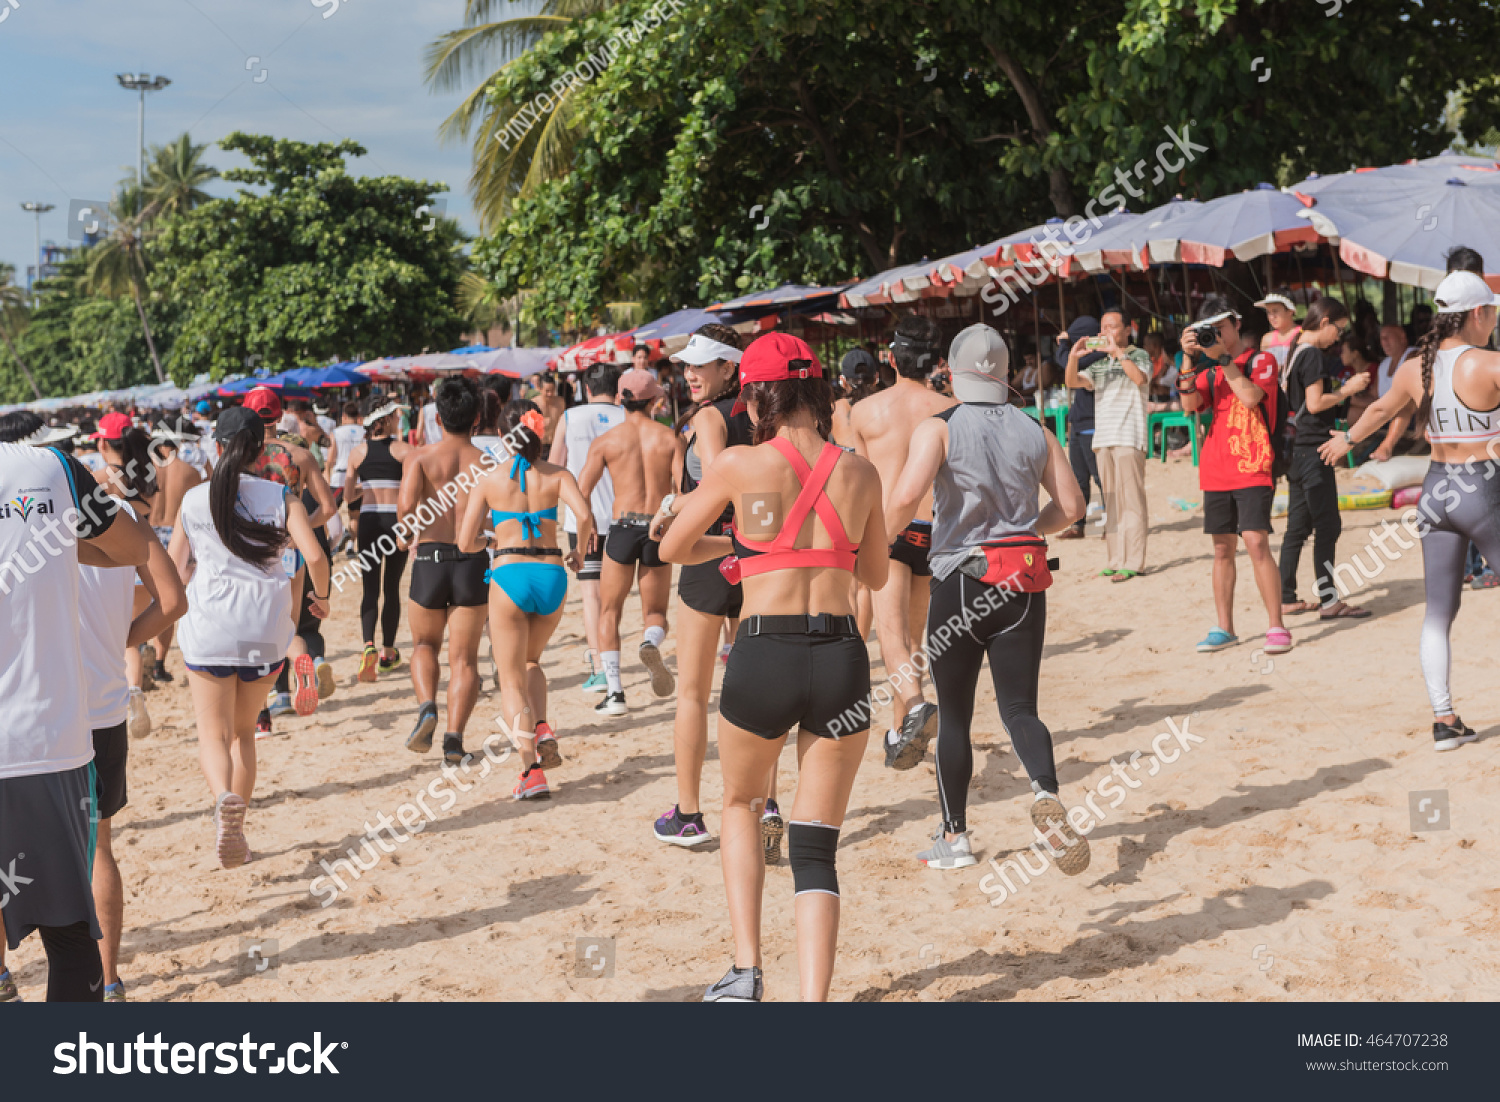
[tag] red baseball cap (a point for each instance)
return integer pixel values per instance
(778, 356)
(112, 426)
(264, 401)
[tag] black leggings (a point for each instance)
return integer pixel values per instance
(1312, 509)
(75, 973)
(372, 526)
(1011, 631)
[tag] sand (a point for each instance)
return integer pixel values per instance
(1274, 859)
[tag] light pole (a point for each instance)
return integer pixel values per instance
(37, 209)
(142, 83)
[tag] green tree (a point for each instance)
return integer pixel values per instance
(117, 267)
(175, 176)
(13, 318)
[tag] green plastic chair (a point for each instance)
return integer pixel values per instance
(1167, 419)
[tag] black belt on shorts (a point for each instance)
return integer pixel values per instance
(635, 520)
(822, 624)
(538, 551)
(445, 552)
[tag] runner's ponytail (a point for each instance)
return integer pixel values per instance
(257, 543)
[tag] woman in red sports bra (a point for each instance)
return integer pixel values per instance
(807, 518)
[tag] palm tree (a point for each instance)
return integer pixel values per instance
(13, 315)
(117, 266)
(175, 176)
(504, 171)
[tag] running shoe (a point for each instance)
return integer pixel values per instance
(532, 785)
(662, 681)
(263, 724)
(957, 854)
(229, 824)
(387, 664)
(917, 729)
(368, 662)
(306, 695)
(596, 684)
(280, 704)
(739, 985)
(1050, 819)
(1450, 736)
(327, 686)
(453, 749)
(547, 755)
(612, 705)
(1488, 580)
(137, 719)
(8, 990)
(114, 992)
(1217, 639)
(159, 673)
(772, 827)
(148, 665)
(677, 829)
(420, 739)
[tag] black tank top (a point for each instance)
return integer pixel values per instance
(379, 465)
(740, 432)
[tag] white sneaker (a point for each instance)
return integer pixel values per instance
(137, 719)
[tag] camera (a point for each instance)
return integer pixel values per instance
(1207, 335)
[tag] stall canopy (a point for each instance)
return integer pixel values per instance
(789, 296)
(1244, 226)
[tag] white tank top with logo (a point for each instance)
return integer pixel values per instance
(582, 425)
(41, 664)
(106, 598)
(347, 438)
(1449, 419)
(238, 614)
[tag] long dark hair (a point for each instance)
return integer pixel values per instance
(138, 471)
(1443, 327)
(724, 335)
(489, 413)
(257, 543)
(775, 402)
(518, 438)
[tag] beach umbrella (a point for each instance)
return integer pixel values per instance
(905, 283)
(471, 349)
(1244, 226)
(513, 363)
(1406, 241)
(1127, 244)
(337, 375)
(787, 296)
(671, 332)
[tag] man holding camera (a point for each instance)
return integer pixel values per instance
(1238, 385)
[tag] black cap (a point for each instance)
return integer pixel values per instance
(235, 420)
(858, 364)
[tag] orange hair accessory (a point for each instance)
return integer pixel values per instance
(534, 421)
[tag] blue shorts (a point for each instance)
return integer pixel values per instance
(245, 673)
(537, 588)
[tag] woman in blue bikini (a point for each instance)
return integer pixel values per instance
(526, 567)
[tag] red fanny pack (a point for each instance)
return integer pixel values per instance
(729, 566)
(1020, 565)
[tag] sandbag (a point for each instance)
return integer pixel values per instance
(1406, 497)
(1397, 473)
(1378, 500)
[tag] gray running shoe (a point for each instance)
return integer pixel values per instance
(957, 854)
(1069, 849)
(739, 985)
(917, 730)
(662, 681)
(772, 828)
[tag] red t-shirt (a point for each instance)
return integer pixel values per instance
(1236, 453)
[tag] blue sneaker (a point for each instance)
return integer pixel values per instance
(677, 830)
(596, 685)
(1217, 639)
(281, 705)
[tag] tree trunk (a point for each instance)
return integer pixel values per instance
(140, 308)
(24, 369)
(1059, 187)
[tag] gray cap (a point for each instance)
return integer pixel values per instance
(980, 365)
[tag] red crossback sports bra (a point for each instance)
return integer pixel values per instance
(779, 554)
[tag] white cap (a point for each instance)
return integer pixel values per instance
(382, 413)
(705, 350)
(1461, 292)
(1279, 300)
(979, 364)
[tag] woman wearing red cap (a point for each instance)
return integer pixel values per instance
(807, 517)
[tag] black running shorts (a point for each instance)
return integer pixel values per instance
(593, 557)
(703, 588)
(777, 683)
(1235, 512)
(442, 577)
(629, 542)
(111, 750)
(46, 841)
(911, 546)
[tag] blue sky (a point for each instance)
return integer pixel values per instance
(68, 131)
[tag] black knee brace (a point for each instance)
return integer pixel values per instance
(812, 849)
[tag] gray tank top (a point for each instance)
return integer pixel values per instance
(990, 485)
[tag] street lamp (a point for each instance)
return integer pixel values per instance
(37, 209)
(142, 83)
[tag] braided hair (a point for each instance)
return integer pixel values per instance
(1443, 327)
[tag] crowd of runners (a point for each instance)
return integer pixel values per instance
(799, 510)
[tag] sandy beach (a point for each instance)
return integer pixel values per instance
(1274, 859)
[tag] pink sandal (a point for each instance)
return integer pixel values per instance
(1278, 641)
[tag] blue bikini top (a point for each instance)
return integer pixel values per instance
(531, 523)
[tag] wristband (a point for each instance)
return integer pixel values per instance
(318, 598)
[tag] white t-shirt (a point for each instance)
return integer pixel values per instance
(327, 424)
(581, 426)
(238, 614)
(432, 432)
(1387, 372)
(106, 596)
(46, 725)
(345, 438)
(1119, 403)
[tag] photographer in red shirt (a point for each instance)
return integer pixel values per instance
(1228, 377)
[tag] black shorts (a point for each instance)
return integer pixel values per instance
(1235, 512)
(593, 559)
(912, 545)
(629, 542)
(111, 749)
(47, 829)
(703, 588)
(777, 683)
(443, 577)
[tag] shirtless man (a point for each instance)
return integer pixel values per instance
(174, 477)
(883, 426)
(640, 456)
(449, 589)
(551, 405)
